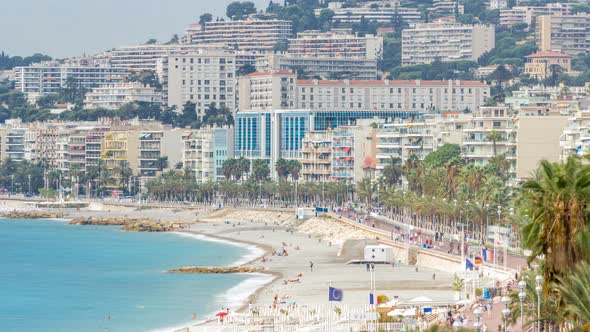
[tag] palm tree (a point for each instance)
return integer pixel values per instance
(556, 202)
(282, 168)
(161, 163)
(229, 168)
(494, 137)
(393, 170)
(294, 169)
(365, 190)
(575, 291)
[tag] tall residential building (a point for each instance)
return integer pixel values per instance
(249, 34)
(379, 13)
(343, 153)
(403, 139)
(268, 90)
(49, 78)
(575, 138)
(113, 96)
(280, 90)
(491, 132)
(568, 34)
(528, 14)
(144, 57)
(205, 150)
(429, 42)
(335, 45)
(275, 134)
(316, 156)
(155, 144)
(204, 78)
(321, 66)
(446, 7)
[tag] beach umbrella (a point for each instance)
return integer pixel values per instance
(221, 314)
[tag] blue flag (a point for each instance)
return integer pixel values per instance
(484, 253)
(371, 299)
(335, 294)
(468, 264)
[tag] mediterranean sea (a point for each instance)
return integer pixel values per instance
(58, 277)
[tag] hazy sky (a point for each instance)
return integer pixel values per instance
(63, 28)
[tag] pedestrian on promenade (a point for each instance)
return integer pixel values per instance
(311, 266)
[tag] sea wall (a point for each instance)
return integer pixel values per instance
(215, 269)
(132, 224)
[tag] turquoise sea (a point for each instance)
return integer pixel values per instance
(57, 277)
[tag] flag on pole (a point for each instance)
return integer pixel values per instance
(371, 298)
(484, 254)
(335, 294)
(468, 264)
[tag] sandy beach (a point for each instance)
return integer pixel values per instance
(326, 243)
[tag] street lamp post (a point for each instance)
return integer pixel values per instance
(505, 312)
(521, 297)
(539, 290)
(496, 232)
(477, 312)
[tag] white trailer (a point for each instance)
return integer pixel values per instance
(379, 254)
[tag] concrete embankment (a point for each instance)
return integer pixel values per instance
(215, 269)
(34, 215)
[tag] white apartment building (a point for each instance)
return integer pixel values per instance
(203, 77)
(445, 42)
(383, 12)
(144, 57)
(249, 34)
(280, 90)
(205, 150)
(403, 96)
(568, 34)
(335, 45)
(404, 139)
(113, 96)
(268, 90)
(322, 67)
(480, 144)
(46, 78)
(527, 14)
(446, 7)
(575, 138)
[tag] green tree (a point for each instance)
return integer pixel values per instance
(204, 19)
(260, 170)
(161, 163)
(393, 170)
(239, 10)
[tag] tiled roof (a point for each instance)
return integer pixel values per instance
(269, 73)
(548, 54)
(391, 83)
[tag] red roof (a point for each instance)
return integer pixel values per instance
(392, 83)
(548, 54)
(270, 73)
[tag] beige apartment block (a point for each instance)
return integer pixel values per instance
(268, 90)
(429, 42)
(568, 34)
(538, 138)
(113, 96)
(316, 159)
(204, 78)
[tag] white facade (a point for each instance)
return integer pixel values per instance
(204, 77)
(478, 143)
(445, 42)
(113, 96)
(205, 150)
(333, 44)
(250, 34)
(380, 13)
(50, 78)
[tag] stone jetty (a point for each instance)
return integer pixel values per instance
(34, 214)
(215, 269)
(132, 224)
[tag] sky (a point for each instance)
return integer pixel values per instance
(66, 28)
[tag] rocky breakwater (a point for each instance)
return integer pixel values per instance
(131, 224)
(215, 269)
(34, 215)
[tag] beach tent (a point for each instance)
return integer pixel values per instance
(420, 299)
(396, 312)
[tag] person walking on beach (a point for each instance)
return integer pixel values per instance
(311, 266)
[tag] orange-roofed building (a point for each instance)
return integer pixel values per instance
(539, 65)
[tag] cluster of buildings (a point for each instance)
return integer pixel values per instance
(317, 97)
